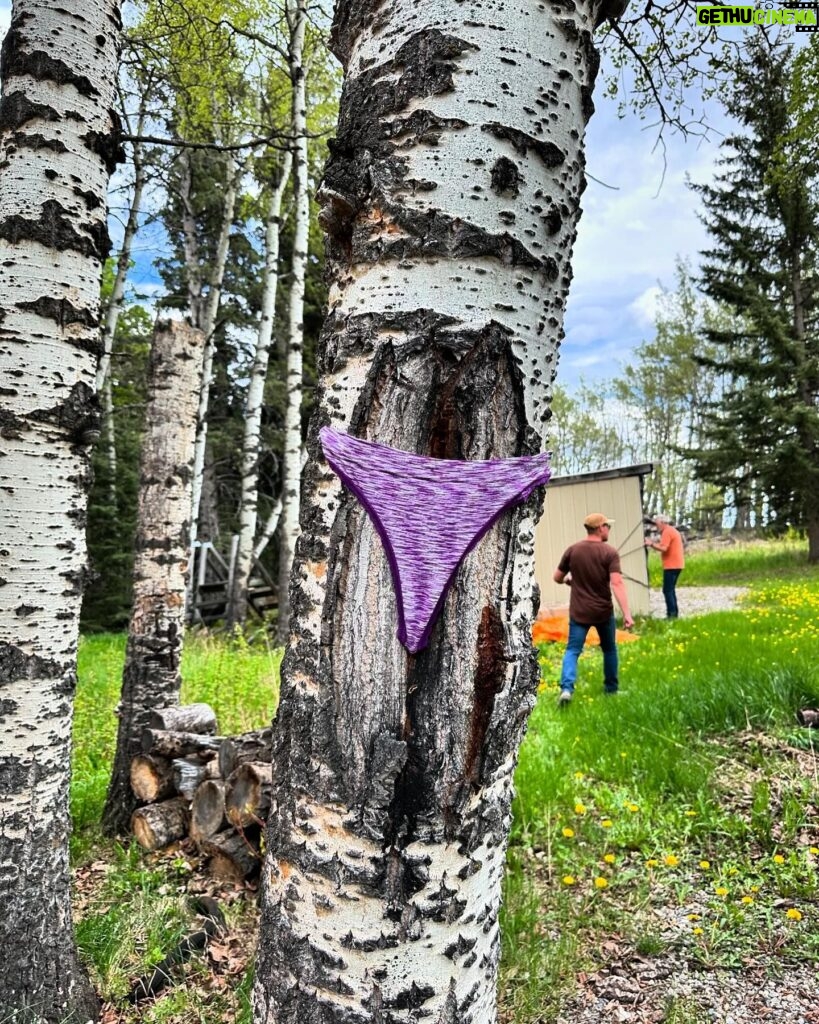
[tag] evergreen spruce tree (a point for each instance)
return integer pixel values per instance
(762, 438)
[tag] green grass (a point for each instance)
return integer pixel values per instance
(739, 563)
(622, 801)
(132, 890)
(132, 908)
(137, 912)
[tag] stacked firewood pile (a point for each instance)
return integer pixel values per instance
(215, 789)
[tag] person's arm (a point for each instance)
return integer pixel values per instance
(560, 576)
(619, 590)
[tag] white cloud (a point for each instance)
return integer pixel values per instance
(639, 215)
(584, 362)
(647, 304)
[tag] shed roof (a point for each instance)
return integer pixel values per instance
(641, 470)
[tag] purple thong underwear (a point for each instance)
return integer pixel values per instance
(429, 513)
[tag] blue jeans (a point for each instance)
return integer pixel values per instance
(577, 638)
(670, 577)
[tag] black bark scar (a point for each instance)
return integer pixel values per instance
(54, 228)
(489, 678)
(17, 109)
(551, 155)
(18, 61)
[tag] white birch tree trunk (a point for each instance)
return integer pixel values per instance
(190, 242)
(114, 309)
(112, 314)
(109, 433)
(451, 201)
(151, 677)
(205, 309)
(57, 150)
(292, 461)
(268, 530)
(251, 448)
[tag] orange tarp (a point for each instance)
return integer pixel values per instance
(555, 629)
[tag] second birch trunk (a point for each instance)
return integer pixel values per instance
(151, 676)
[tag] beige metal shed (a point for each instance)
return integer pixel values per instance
(617, 493)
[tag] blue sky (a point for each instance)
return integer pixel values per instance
(629, 236)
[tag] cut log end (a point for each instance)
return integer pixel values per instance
(152, 778)
(233, 856)
(157, 825)
(247, 794)
(208, 810)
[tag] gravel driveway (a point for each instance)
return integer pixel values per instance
(699, 600)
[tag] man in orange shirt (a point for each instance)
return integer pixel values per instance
(670, 546)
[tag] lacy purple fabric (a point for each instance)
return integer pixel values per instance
(429, 513)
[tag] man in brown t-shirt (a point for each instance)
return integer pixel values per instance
(592, 569)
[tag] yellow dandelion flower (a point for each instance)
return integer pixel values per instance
(690, 814)
(609, 858)
(568, 832)
(778, 858)
(579, 809)
(569, 879)
(696, 931)
(633, 808)
(693, 917)
(733, 871)
(814, 850)
(579, 775)
(601, 883)
(705, 864)
(721, 890)
(652, 863)
(793, 914)
(671, 861)
(747, 899)
(754, 888)
(606, 823)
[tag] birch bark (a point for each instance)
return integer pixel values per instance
(451, 201)
(57, 149)
(292, 460)
(251, 448)
(151, 676)
(204, 310)
(114, 309)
